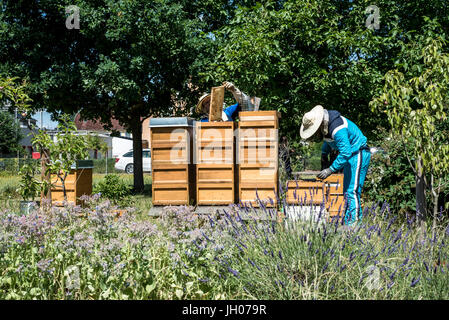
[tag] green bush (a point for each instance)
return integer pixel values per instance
(13, 165)
(100, 166)
(390, 178)
(114, 189)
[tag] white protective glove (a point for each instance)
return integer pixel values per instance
(238, 95)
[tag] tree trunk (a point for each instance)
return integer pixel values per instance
(45, 176)
(435, 190)
(137, 156)
(421, 207)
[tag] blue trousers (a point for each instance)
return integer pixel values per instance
(354, 176)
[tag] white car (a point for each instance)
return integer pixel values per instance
(125, 161)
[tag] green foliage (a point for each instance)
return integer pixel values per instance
(96, 143)
(114, 189)
(13, 93)
(417, 109)
(29, 186)
(389, 177)
(10, 134)
(100, 165)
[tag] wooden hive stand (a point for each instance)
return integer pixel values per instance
(77, 184)
(258, 147)
(173, 171)
(215, 156)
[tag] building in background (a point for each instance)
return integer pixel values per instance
(24, 125)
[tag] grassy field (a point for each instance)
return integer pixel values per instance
(9, 197)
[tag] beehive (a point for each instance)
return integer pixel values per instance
(77, 183)
(335, 201)
(258, 156)
(307, 192)
(215, 157)
(172, 165)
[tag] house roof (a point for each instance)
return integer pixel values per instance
(96, 125)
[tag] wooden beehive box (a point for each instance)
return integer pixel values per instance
(215, 182)
(305, 192)
(335, 201)
(77, 183)
(172, 165)
(258, 146)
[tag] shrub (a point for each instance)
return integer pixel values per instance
(114, 189)
(100, 166)
(390, 177)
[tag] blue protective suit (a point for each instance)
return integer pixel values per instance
(353, 157)
(231, 112)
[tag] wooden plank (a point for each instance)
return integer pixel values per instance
(258, 184)
(217, 174)
(171, 195)
(216, 103)
(84, 183)
(170, 175)
(259, 115)
(258, 124)
(264, 194)
(256, 174)
(215, 194)
(305, 192)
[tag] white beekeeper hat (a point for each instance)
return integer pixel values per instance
(311, 122)
(203, 98)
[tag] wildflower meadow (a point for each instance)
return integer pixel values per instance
(91, 252)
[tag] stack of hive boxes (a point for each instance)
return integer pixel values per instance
(215, 157)
(258, 157)
(173, 170)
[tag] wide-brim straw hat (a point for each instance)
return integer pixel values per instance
(311, 122)
(199, 106)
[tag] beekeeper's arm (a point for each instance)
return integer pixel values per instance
(238, 95)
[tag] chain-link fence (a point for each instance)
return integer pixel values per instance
(11, 166)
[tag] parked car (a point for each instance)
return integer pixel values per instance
(125, 161)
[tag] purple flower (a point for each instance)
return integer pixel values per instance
(234, 272)
(415, 281)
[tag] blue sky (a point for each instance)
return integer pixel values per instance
(48, 123)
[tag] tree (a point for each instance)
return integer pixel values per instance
(12, 95)
(63, 152)
(295, 54)
(417, 110)
(128, 60)
(10, 134)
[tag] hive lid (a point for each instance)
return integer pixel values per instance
(83, 164)
(171, 122)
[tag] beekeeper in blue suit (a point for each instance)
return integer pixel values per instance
(229, 113)
(354, 154)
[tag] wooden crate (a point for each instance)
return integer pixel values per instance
(173, 171)
(305, 192)
(214, 156)
(77, 184)
(258, 157)
(329, 191)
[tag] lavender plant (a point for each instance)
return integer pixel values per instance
(236, 253)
